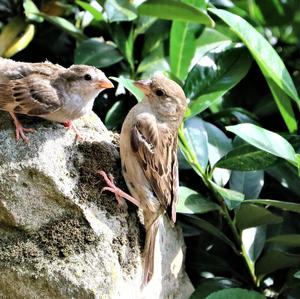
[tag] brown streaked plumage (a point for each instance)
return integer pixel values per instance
(49, 91)
(148, 148)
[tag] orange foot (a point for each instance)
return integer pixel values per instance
(20, 129)
(119, 194)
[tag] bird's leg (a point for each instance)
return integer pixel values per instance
(119, 194)
(20, 129)
(69, 125)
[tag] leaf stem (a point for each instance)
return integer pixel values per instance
(192, 159)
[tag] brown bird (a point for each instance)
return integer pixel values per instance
(148, 147)
(49, 91)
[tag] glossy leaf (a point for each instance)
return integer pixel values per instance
(182, 45)
(249, 183)
(211, 285)
(235, 293)
(196, 137)
(265, 140)
(64, 25)
(155, 61)
(287, 176)
(247, 158)
(287, 240)
(213, 76)
(96, 52)
(115, 115)
(128, 84)
(119, 10)
(218, 146)
(97, 15)
(251, 215)
(175, 10)
(268, 59)
(275, 260)
(206, 226)
(232, 198)
(21, 42)
(31, 11)
(254, 240)
(287, 206)
(10, 32)
(191, 202)
(284, 105)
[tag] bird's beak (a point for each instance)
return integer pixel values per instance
(104, 84)
(143, 85)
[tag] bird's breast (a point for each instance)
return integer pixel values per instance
(73, 107)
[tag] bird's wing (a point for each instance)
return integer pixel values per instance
(32, 95)
(155, 150)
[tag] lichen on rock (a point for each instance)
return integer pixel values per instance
(60, 236)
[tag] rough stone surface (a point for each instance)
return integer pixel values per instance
(60, 237)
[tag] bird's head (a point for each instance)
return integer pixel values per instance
(165, 96)
(86, 81)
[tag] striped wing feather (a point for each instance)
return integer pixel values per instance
(156, 153)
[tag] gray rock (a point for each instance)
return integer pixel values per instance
(60, 237)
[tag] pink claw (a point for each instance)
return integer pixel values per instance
(69, 125)
(20, 129)
(119, 194)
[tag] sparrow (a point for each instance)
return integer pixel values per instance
(148, 150)
(49, 91)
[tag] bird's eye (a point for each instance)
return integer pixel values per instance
(87, 77)
(159, 92)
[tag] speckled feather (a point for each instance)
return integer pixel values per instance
(148, 147)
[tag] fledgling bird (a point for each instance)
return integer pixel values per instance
(148, 148)
(49, 91)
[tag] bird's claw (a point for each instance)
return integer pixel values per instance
(119, 194)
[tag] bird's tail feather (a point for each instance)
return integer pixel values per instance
(148, 266)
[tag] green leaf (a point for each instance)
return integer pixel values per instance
(31, 11)
(251, 215)
(64, 25)
(232, 198)
(247, 158)
(182, 48)
(211, 285)
(284, 105)
(155, 36)
(175, 10)
(275, 260)
(206, 226)
(128, 84)
(155, 61)
(249, 183)
(288, 240)
(119, 10)
(297, 275)
(218, 146)
(254, 240)
(235, 293)
(124, 41)
(96, 52)
(115, 115)
(196, 138)
(213, 75)
(191, 202)
(92, 10)
(265, 140)
(182, 45)
(268, 59)
(287, 176)
(287, 206)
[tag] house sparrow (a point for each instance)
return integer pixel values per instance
(148, 148)
(49, 91)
